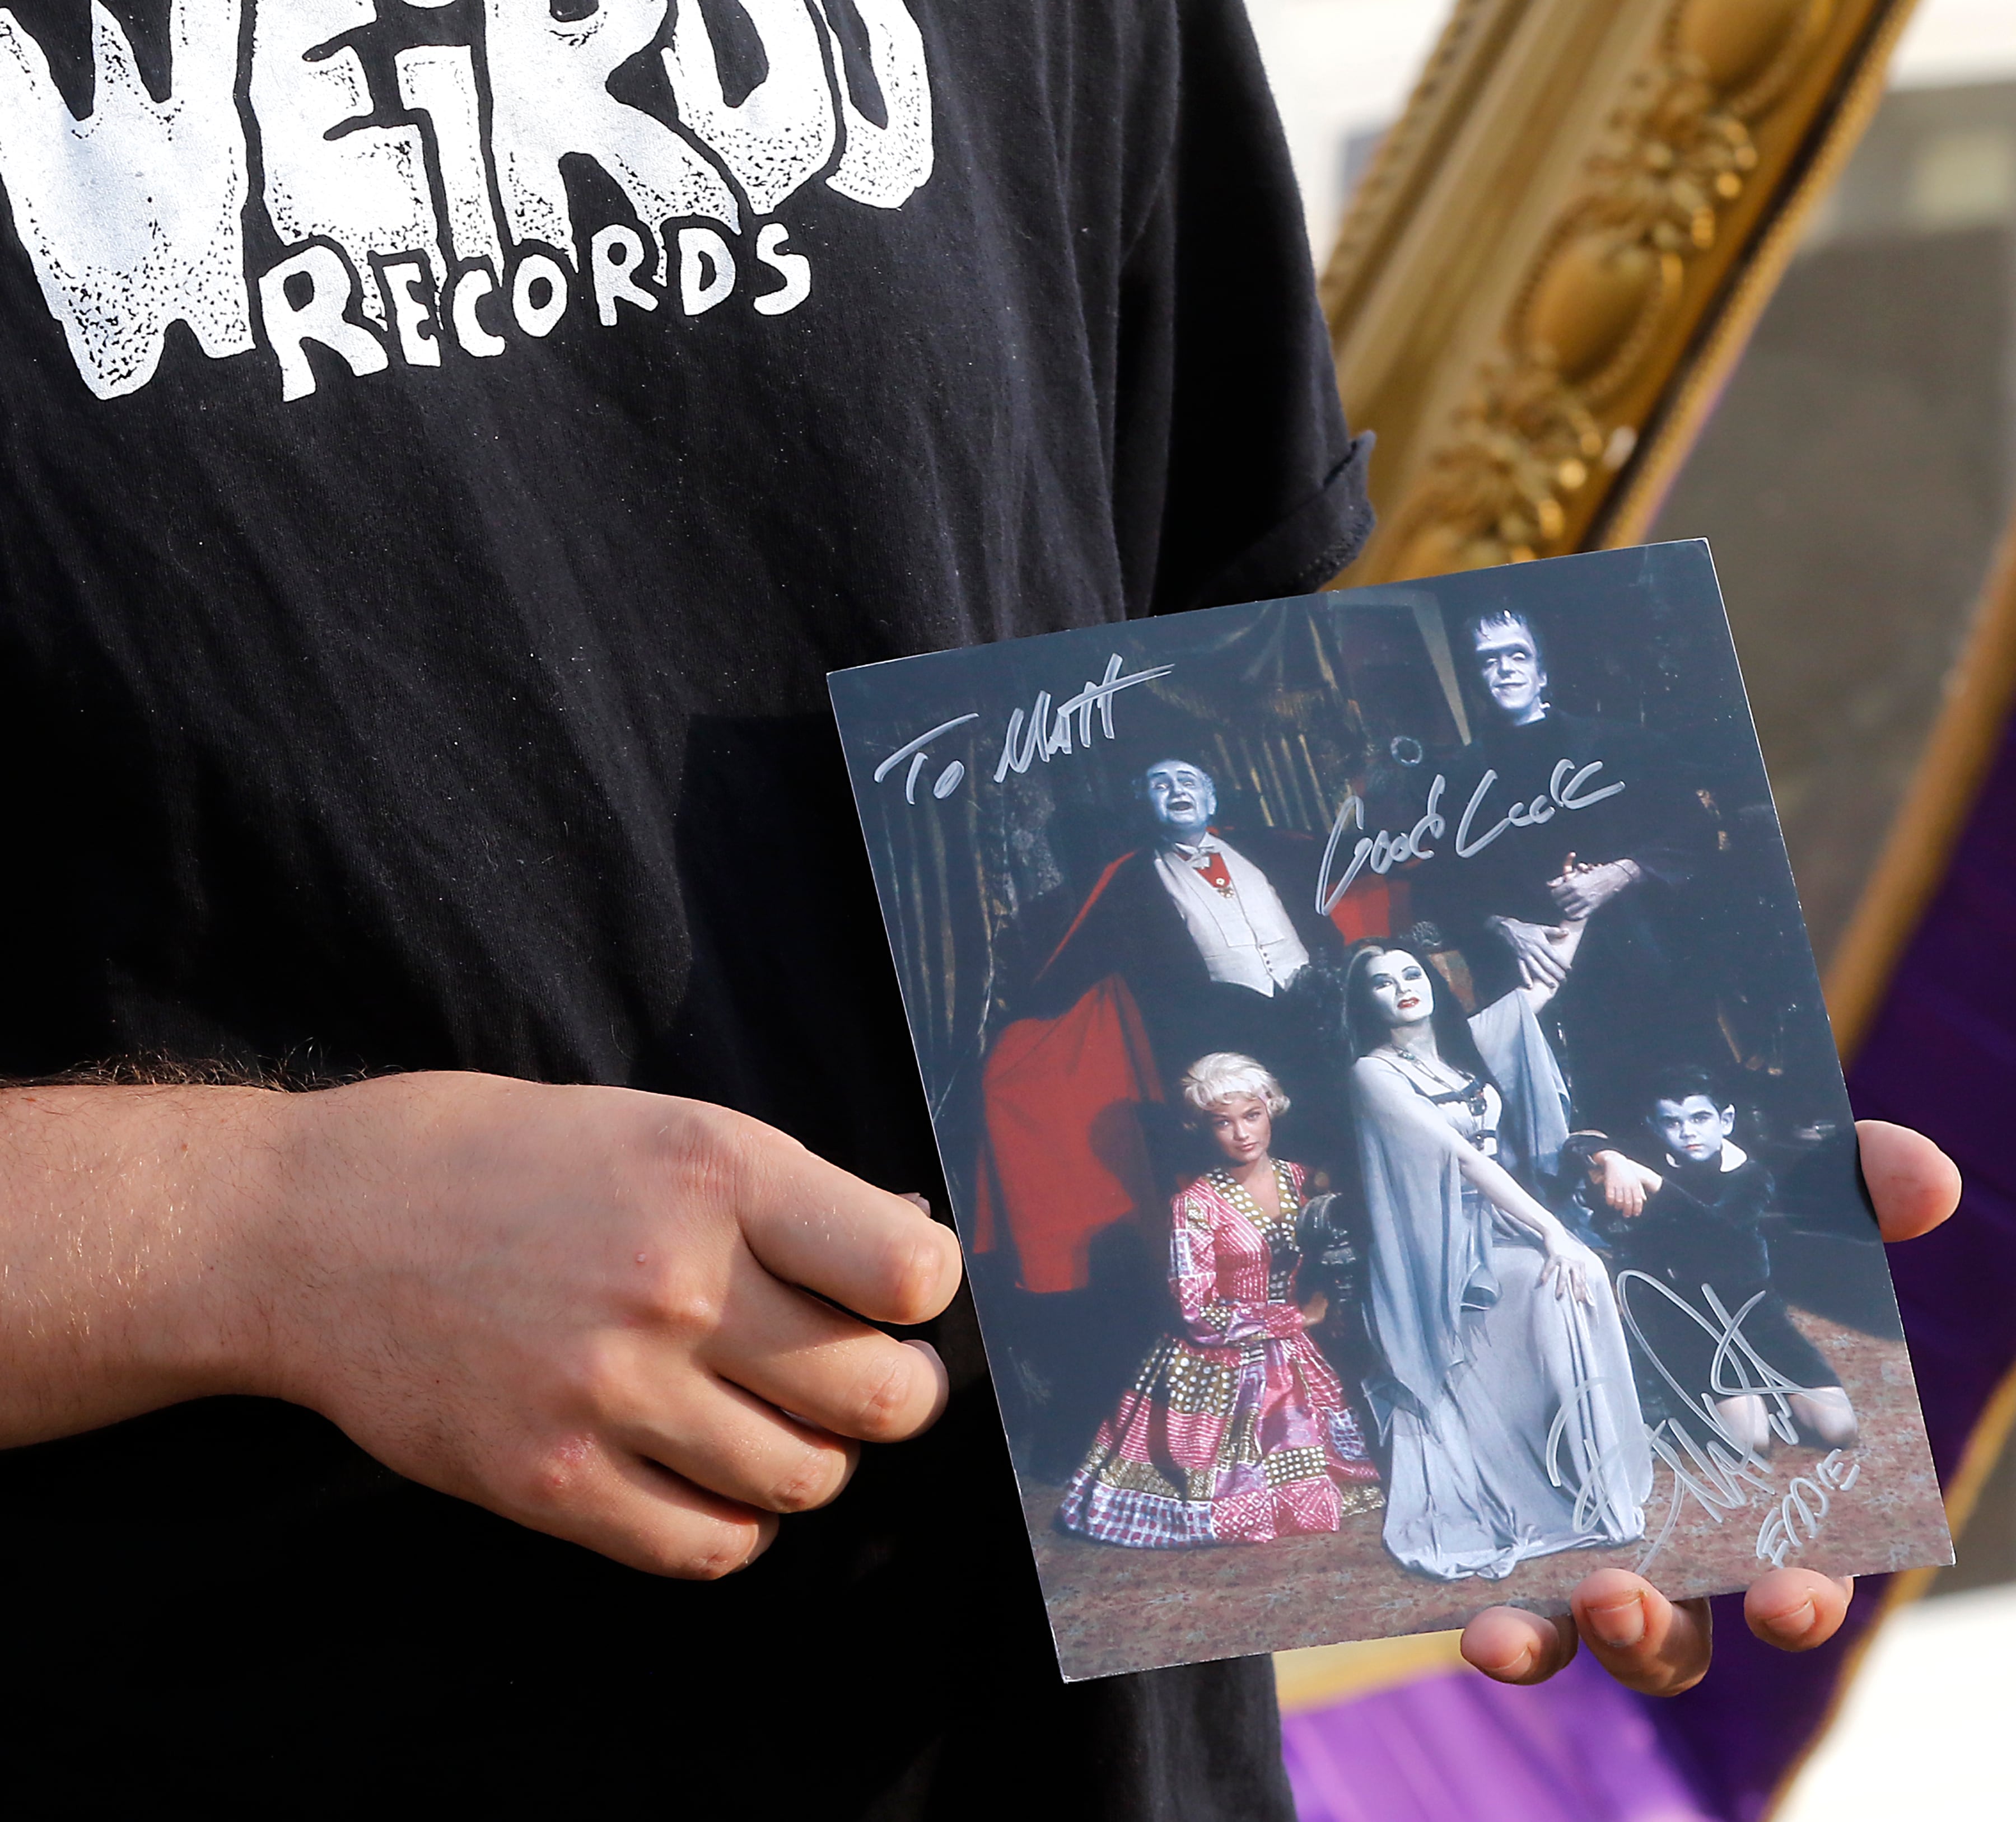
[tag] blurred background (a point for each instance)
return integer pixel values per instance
(1854, 481)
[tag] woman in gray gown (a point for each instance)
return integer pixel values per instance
(1507, 1396)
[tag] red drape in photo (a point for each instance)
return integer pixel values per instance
(1064, 1154)
(1373, 907)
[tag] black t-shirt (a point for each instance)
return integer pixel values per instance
(414, 601)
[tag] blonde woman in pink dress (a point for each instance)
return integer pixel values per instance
(1235, 1430)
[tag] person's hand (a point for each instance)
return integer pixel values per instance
(1660, 1646)
(597, 1312)
(1625, 1183)
(1579, 892)
(1532, 947)
(1568, 1266)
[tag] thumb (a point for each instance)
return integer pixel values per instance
(1913, 1184)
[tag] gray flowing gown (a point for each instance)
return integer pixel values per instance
(1512, 1417)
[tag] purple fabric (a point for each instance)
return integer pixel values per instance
(1459, 1749)
(1942, 1058)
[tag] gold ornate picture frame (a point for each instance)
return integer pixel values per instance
(1554, 258)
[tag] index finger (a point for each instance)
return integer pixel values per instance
(812, 1224)
(1913, 1184)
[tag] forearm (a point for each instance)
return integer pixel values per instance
(1675, 863)
(1538, 994)
(133, 1226)
(1497, 1185)
(1209, 1320)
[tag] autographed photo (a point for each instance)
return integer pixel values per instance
(1389, 1108)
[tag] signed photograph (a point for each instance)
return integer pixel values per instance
(1389, 1109)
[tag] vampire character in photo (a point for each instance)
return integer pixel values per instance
(1623, 865)
(1213, 932)
(1199, 941)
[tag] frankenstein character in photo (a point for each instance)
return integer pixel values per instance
(1692, 1224)
(1235, 1430)
(1623, 864)
(1507, 1393)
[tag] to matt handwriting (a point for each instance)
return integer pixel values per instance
(1046, 729)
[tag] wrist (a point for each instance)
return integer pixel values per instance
(284, 1222)
(130, 1250)
(221, 1190)
(335, 1202)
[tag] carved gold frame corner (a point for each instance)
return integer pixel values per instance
(1555, 257)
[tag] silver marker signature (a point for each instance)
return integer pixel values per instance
(1049, 731)
(1721, 1474)
(1590, 1479)
(1384, 850)
(1804, 1506)
(948, 780)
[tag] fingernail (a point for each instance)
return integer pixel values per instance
(1795, 1625)
(1510, 1667)
(934, 1357)
(1620, 1624)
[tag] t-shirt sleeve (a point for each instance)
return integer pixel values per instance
(1236, 477)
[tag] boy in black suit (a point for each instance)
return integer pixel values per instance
(1694, 1228)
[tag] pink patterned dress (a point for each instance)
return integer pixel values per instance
(1235, 1431)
